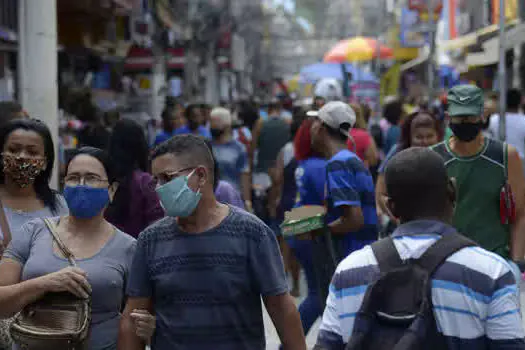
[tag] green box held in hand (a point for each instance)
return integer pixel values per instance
(302, 220)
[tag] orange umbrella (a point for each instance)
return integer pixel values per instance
(356, 50)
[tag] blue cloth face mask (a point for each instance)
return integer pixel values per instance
(177, 199)
(86, 202)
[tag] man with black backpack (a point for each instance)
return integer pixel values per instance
(426, 286)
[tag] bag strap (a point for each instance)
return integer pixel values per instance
(386, 255)
(51, 226)
(447, 245)
(4, 226)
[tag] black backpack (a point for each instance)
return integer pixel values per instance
(397, 313)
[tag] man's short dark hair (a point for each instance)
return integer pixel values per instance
(513, 99)
(189, 111)
(192, 150)
(335, 134)
(416, 182)
(9, 110)
(393, 112)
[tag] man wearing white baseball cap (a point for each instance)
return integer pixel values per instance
(351, 211)
(231, 155)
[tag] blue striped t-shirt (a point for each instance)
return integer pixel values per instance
(473, 293)
(349, 183)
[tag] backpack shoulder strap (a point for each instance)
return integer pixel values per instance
(386, 255)
(446, 246)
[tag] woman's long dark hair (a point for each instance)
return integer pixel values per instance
(128, 151)
(405, 139)
(41, 185)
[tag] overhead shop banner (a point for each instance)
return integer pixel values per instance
(410, 29)
(366, 92)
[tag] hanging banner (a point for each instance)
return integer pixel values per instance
(410, 35)
(366, 92)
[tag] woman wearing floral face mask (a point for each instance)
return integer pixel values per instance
(33, 265)
(26, 165)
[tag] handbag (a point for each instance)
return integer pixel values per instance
(57, 320)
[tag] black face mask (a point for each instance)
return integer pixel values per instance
(216, 133)
(466, 131)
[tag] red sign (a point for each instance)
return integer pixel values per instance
(422, 5)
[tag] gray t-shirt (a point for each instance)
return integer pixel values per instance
(206, 288)
(107, 272)
(17, 218)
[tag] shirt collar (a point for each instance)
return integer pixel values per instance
(418, 227)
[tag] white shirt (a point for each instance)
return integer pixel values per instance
(515, 130)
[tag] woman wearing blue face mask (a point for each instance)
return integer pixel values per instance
(102, 253)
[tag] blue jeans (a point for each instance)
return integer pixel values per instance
(310, 309)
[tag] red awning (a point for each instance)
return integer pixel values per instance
(140, 58)
(176, 58)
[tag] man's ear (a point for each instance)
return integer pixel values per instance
(113, 190)
(390, 206)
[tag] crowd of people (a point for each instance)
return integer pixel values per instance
(178, 238)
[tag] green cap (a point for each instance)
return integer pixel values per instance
(465, 100)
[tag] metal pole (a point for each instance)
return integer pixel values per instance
(432, 53)
(502, 74)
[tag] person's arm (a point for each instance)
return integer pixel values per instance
(330, 335)
(129, 338)
(516, 181)
(371, 153)
(274, 193)
(286, 319)
(15, 295)
(343, 186)
(503, 325)
(267, 271)
(246, 178)
(255, 140)
(139, 292)
(352, 220)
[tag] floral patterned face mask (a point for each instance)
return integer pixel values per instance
(22, 170)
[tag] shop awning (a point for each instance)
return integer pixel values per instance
(140, 59)
(176, 58)
(422, 58)
(473, 38)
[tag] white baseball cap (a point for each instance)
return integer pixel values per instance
(222, 114)
(337, 115)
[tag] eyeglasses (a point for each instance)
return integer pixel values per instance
(90, 180)
(164, 178)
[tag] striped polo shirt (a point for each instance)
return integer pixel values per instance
(473, 293)
(349, 183)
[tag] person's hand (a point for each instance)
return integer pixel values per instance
(69, 279)
(145, 324)
(248, 206)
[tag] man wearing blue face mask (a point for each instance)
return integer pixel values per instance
(205, 267)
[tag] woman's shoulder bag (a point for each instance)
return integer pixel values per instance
(57, 320)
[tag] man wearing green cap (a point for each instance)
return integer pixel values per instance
(488, 174)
